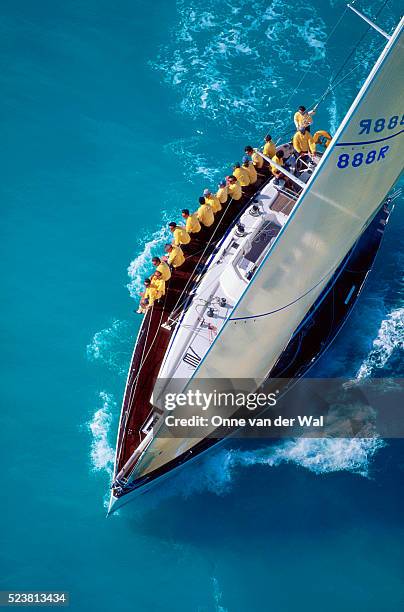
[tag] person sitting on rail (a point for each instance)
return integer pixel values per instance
(205, 213)
(163, 268)
(148, 296)
(222, 193)
(180, 234)
(192, 224)
(278, 158)
(175, 256)
(249, 166)
(269, 147)
(303, 144)
(241, 174)
(234, 188)
(158, 282)
(257, 159)
(303, 118)
(212, 200)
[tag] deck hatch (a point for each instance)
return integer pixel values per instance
(265, 236)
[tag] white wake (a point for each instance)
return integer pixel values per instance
(141, 265)
(102, 453)
(390, 338)
(112, 346)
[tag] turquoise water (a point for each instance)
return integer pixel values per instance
(113, 118)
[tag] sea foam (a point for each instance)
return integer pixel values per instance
(390, 338)
(102, 453)
(212, 48)
(112, 346)
(141, 265)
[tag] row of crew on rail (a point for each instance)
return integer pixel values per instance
(242, 181)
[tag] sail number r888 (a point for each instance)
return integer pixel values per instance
(357, 159)
(378, 125)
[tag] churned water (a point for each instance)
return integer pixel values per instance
(114, 117)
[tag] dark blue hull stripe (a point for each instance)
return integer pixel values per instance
(351, 144)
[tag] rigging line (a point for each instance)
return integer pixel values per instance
(351, 53)
(143, 360)
(199, 260)
(312, 63)
(133, 385)
(331, 86)
(132, 391)
(338, 83)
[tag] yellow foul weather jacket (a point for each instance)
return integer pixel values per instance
(303, 119)
(213, 202)
(235, 190)
(257, 160)
(279, 161)
(269, 149)
(304, 143)
(205, 215)
(176, 257)
(242, 176)
(181, 236)
(159, 285)
(152, 294)
(252, 173)
(192, 225)
(165, 271)
(222, 194)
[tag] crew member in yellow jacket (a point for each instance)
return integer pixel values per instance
(212, 200)
(269, 149)
(175, 256)
(303, 118)
(163, 268)
(180, 234)
(249, 166)
(303, 143)
(278, 174)
(158, 283)
(222, 193)
(148, 296)
(234, 188)
(257, 159)
(241, 174)
(278, 159)
(205, 213)
(192, 224)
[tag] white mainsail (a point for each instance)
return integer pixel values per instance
(359, 167)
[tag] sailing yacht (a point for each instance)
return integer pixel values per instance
(265, 291)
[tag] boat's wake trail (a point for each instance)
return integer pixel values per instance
(390, 338)
(321, 456)
(102, 453)
(111, 346)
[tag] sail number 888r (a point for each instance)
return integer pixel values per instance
(357, 159)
